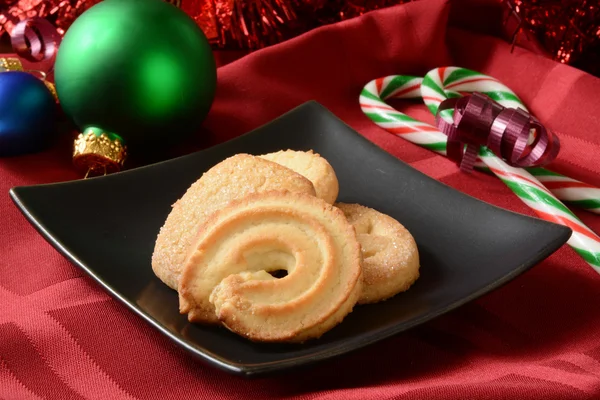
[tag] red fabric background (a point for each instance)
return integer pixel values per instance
(538, 337)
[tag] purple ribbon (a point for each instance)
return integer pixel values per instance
(480, 121)
(36, 40)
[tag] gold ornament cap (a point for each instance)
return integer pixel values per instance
(10, 64)
(97, 152)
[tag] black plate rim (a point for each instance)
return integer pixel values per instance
(255, 370)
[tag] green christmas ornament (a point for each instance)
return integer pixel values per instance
(139, 73)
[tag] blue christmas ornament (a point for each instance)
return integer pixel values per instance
(28, 114)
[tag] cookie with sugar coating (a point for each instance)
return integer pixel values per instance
(390, 254)
(229, 180)
(312, 166)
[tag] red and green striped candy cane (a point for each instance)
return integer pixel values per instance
(375, 93)
(579, 194)
(400, 87)
(583, 240)
(530, 190)
(442, 83)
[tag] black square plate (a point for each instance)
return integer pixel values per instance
(107, 226)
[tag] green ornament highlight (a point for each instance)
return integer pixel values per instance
(141, 72)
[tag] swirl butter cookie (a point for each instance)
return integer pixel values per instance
(390, 255)
(312, 166)
(229, 180)
(226, 277)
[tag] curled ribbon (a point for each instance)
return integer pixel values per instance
(480, 121)
(36, 40)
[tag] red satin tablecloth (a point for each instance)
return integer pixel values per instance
(538, 337)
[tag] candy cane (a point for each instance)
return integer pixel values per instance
(461, 81)
(583, 240)
(577, 193)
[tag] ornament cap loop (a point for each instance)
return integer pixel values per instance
(97, 152)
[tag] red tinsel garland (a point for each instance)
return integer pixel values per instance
(568, 30)
(61, 13)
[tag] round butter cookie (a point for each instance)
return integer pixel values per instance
(226, 277)
(229, 180)
(390, 255)
(312, 166)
